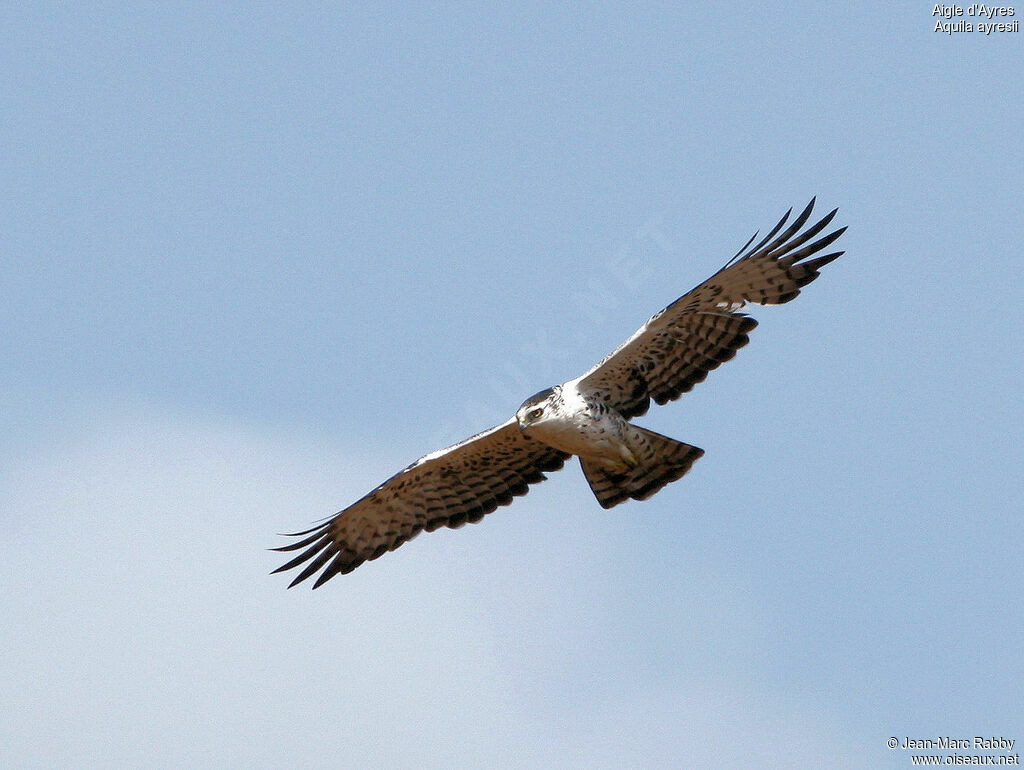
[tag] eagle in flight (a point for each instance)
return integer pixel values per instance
(588, 416)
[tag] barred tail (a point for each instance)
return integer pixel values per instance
(660, 461)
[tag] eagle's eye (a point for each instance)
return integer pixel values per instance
(536, 413)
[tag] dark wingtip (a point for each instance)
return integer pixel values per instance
(747, 324)
(820, 262)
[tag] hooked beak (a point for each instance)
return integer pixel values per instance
(522, 427)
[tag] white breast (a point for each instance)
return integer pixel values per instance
(576, 428)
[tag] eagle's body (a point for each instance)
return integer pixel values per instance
(588, 417)
(618, 458)
(578, 425)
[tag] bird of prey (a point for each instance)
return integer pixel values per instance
(588, 417)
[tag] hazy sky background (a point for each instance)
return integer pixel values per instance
(255, 259)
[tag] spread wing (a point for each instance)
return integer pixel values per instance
(443, 489)
(677, 347)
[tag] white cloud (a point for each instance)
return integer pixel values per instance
(143, 628)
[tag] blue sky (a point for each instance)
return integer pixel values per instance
(258, 258)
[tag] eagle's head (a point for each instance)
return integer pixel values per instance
(538, 407)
